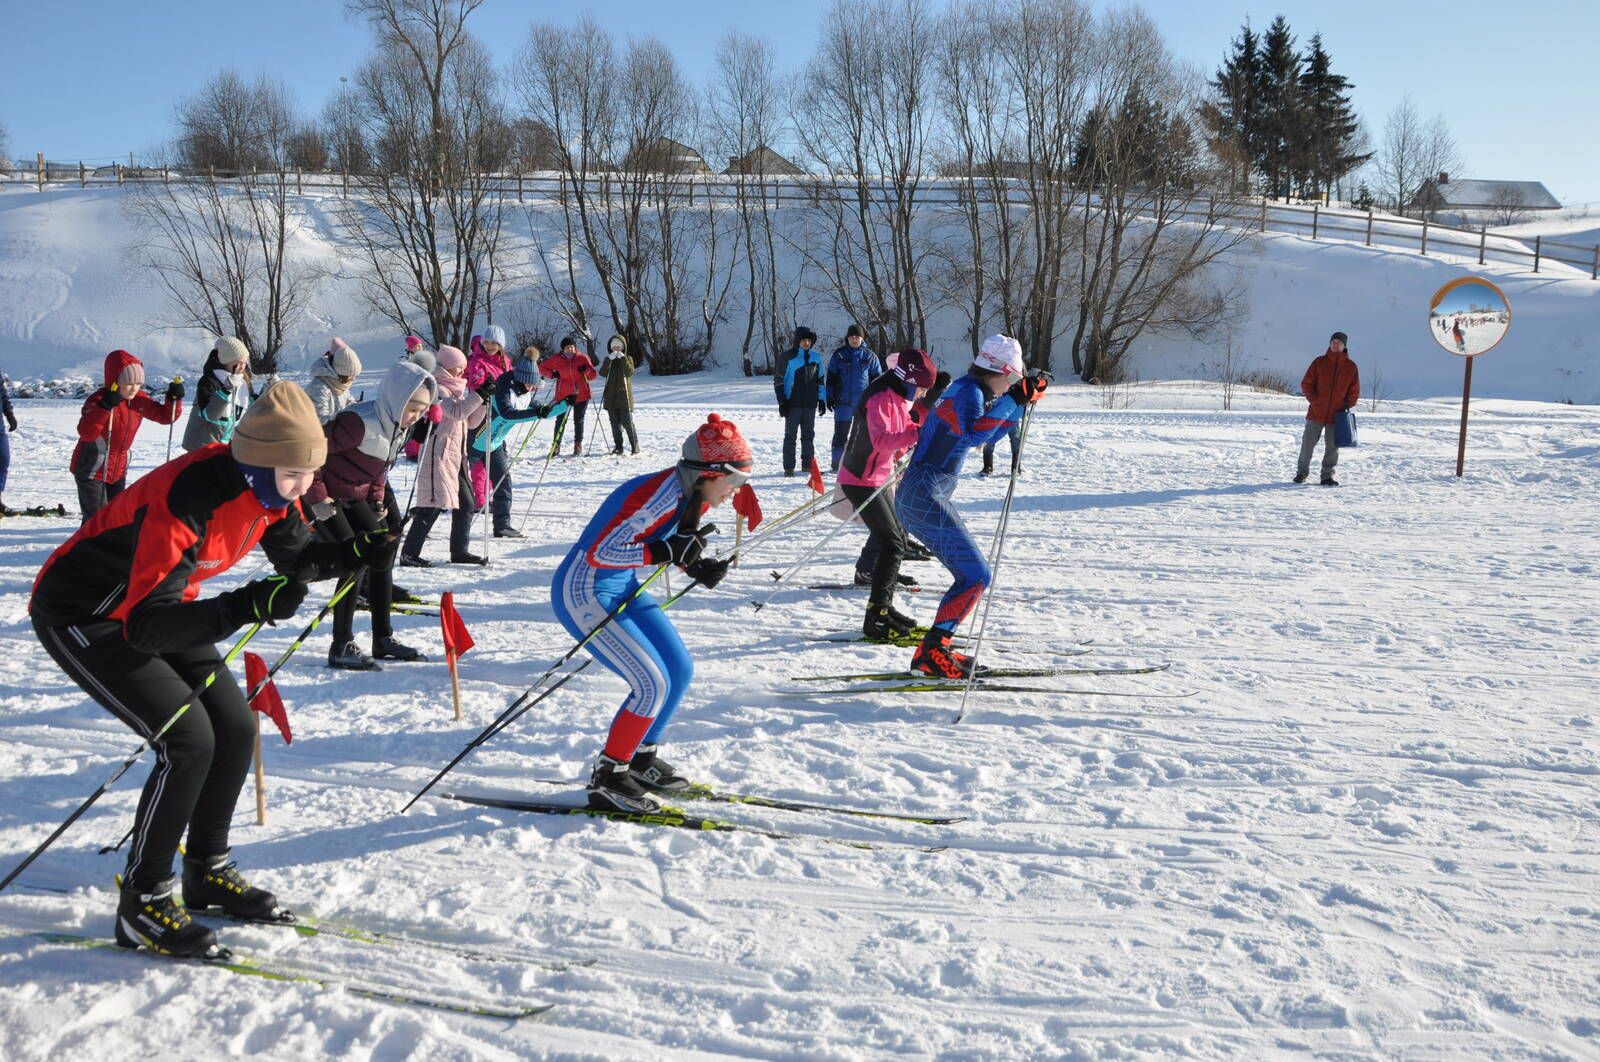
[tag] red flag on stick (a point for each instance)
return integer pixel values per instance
(746, 505)
(456, 638)
(264, 696)
(456, 642)
(816, 478)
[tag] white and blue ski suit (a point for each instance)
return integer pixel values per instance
(966, 419)
(641, 644)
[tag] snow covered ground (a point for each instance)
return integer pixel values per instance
(1358, 818)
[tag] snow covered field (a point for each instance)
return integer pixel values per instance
(1359, 817)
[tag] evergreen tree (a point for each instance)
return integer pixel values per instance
(1280, 143)
(1232, 121)
(1331, 125)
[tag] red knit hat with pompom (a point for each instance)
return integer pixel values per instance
(717, 447)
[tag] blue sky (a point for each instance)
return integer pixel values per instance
(1518, 100)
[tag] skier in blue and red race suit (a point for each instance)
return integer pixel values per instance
(650, 520)
(981, 406)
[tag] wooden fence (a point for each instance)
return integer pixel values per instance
(1318, 222)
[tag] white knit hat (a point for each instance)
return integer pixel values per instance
(342, 357)
(1001, 354)
(231, 351)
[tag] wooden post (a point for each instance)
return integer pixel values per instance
(1483, 241)
(41, 170)
(83, 175)
(261, 777)
(455, 683)
(1424, 235)
(738, 536)
(1314, 209)
(1594, 271)
(1263, 213)
(298, 187)
(346, 179)
(1537, 251)
(519, 184)
(118, 166)
(1369, 226)
(1466, 393)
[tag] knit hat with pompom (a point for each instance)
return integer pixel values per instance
(716, 447)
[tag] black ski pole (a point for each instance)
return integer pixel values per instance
(829, 537)
(555, 445)
(193, 698)
(994, 562)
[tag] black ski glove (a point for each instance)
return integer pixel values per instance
(175, 390)
(277, 597)
(822, 407)
(112, 398)
(11, 421)
(935, 392)
(783, 409)
(1028, 389)
(366, 548)
(707, 571)
(682, 548)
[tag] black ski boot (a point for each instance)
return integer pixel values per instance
(468, 558)
(399, 595)
(507, 532)
(1329, 481)
(612, 787)
(148, 918)
(347, 656)
(1300, 477)
(408, 561)
(882, 628)
(862, 578)
(655, 773)
(906, 624)
(214, 882)
(386, 648)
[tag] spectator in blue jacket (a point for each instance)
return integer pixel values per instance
(802, 394)
(851, 368)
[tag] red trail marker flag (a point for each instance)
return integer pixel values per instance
(264, 700)
(816, 478)
(457, 640)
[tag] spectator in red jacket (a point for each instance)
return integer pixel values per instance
(107, 425)
(1331, 385)
(572, 370)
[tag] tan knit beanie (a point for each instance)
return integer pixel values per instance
(280, 430)
(231, 351)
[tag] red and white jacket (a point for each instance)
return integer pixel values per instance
(106, 435)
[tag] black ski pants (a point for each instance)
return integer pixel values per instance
(377, 582)
(886, 540)
(202, 759)
(93, 495)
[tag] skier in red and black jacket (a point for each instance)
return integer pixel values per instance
(117, 606)
(107, 425)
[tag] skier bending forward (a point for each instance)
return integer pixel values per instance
(650, 520)
(981, 406)
(117, 607)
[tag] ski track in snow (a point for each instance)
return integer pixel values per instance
(1369, 826)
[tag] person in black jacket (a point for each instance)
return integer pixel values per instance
(5, 440)
(117, 607)
(802, 394)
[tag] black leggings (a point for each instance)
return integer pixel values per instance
(349, 519)
(886, 541)
(202, 759)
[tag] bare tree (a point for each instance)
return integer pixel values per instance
(221, 241)
(1437, 152)
(1400, 169)
(427, 221)
(1508, 205)
(743, 109)
(343, 124)
(308, 148)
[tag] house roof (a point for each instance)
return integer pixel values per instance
(1470, 193)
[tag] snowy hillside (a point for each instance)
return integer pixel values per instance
(1357, 818)
(69, 293)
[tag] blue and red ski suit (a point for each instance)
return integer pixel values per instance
(641, 644)
(965, 420)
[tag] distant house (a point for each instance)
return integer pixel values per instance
(762, 160)
(1441, 193)
(664, 155)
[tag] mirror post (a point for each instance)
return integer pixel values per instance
(1466, 394)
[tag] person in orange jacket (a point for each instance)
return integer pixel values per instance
(572, 370)
(107, 426)
(1331, 385)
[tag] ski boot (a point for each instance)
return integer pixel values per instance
(347, 656)
(507, 532)
(908, 625)
(882, 627)
(386, 648)
(148, 918)
(1300, 477)
(654, 773)
(214, 883)
(408, 561)
(935, 657)
(916, 551)
(468, 558)
(1329, 481)
(612, 787)
(399, 595)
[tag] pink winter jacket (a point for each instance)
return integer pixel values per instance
(481, 365)
(439, 463)
(892, 429)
